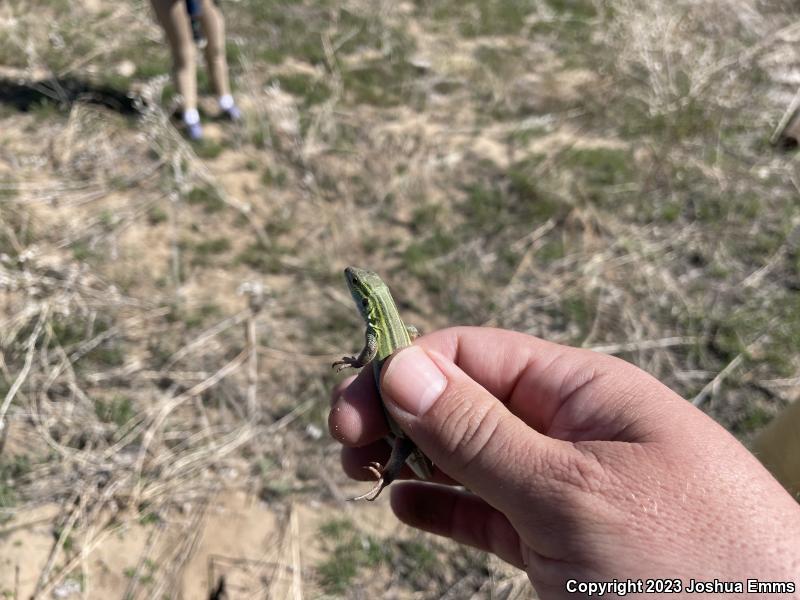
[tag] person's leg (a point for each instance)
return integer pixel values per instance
(214, 26)
(175, 20)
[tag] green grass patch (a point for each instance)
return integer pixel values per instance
(754, 418)
(509, 199)
(157, 215)
(203, 252)
(500, 61)
(8, 188)
(146, 575)
(11, 469)
(118, 410)
(153, 65)
(575, 9)
(82, 251)
(208, 148)
(497, 206)
(310, 90)
(273, 489)
(261, 258)
(274, 177)
(149, 518)
(192, 318)
(383, 82)
(577, 313)
(360, 32)
(213, 246)
(419, 253)
(349, 553)
(282, 29)
(600, 166)
(71, 331)
(207, 198)
(354, 556)
(107, 354)
(691, 119)
(477, 18)
(279, 225)
(486, 17)
(233, 55)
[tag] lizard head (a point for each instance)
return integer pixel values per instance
(363, 287)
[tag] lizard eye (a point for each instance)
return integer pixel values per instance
(364, 302)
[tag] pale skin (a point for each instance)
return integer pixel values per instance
(579, 465)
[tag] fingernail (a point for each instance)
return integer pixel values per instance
(413, 381)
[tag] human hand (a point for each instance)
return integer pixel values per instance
(580, 466)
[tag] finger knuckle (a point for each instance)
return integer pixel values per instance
(467, 428)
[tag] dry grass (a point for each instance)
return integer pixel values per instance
(594, 173)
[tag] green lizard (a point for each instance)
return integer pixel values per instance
(385, 334)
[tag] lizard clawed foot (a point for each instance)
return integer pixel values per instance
(402, 447)
(376, 469)
(347, 361)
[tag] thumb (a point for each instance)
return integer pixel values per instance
(467, 432)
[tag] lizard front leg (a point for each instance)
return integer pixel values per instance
(367, 353)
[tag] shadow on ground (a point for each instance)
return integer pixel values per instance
(27, 95)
